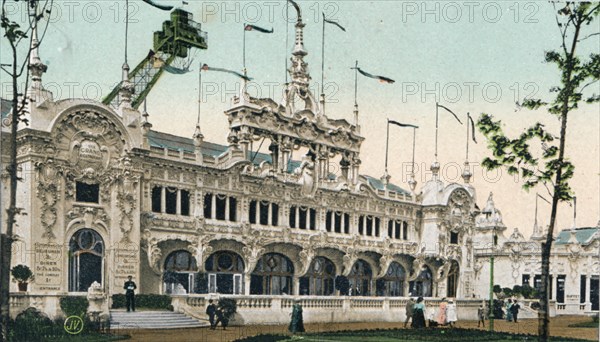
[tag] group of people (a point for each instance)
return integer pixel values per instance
(213, 310)
(512, 310)
(416, 311)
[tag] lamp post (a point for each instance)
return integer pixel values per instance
(491, 325)
(488, 212)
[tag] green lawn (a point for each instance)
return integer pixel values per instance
(445, 335)
(590, 324)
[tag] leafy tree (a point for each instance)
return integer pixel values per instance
(21, 43)
(547, 164)
(517, 290)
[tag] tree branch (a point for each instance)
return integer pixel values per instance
(588, 36)
(588, 84)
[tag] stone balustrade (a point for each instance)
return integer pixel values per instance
(316, 309)
(46, 303)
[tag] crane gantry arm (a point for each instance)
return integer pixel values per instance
(178, 36)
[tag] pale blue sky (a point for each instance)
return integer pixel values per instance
(463, 48)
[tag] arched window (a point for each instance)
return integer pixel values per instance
(224, 273)
(86, 261)
(422, 286)
(453, 280)
(392, 283)
(272, 275)
(319, 280)
(360, 279)
(178, 276)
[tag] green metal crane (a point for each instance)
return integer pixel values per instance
(178, 36)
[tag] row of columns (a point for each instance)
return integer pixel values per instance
(283, 219)
(163, 200)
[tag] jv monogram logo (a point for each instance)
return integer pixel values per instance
(73, 325)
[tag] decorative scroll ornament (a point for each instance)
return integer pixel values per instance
(126, 197)
(153, 252)
(48, 192)
(386, 258)
(252, 255)
(91, 143)
(306, 257)
(444, 270)
(417, 265)
(573, 257)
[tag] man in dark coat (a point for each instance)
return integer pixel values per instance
(514, 309)
(211, 311)
(129, 288)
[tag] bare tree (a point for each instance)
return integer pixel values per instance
(550, 167)
(19, 69)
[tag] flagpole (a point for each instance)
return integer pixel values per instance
(412, 171)
(574, 212)
(244, 48)
(355, 84)
(436, 130)
(387, 142)
(535, 222)
(468, 116)
(287, 38)
(199, 94)
(323, 65)
(126, 27)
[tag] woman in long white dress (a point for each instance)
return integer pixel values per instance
(451, 316)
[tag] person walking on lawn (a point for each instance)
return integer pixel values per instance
(481, 315)
(451, 316)
(514, 309)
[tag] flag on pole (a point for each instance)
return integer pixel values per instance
(451, 112)
(401, 124)
(257, 28)
(381, 79)
(472, 128)
(174, 70)
(333, 23)
(205, 67)
(157, 5)
(295, 5)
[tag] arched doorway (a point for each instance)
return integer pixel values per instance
(452, 287)
(179, 273)
(86, 260)
(423, 285)
(392, 283)
(360, 279)
(273, 275)
(320, 278)
(225, 271)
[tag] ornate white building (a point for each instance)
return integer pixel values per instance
(106, 196)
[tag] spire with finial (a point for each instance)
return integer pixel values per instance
(36, 67)
(299, 86)
(412, 182)
(435, 169)
(299, 71)
(127, 88)
(466, 175)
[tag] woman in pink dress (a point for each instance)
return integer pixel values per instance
(441, 318)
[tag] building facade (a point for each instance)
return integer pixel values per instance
(106, 196)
